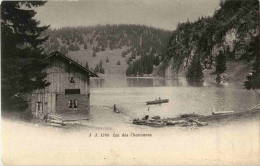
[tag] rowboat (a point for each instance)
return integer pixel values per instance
(222, 112)
(157, 101)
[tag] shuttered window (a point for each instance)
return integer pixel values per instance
(72, 91)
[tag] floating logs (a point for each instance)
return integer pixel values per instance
(156, 121)
(193, 120)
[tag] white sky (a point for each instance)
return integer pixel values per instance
(164, 14)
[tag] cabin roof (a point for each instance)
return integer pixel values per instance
(57, 53)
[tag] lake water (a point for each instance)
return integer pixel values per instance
(130, 96)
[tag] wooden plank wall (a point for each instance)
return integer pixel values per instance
(59, 74)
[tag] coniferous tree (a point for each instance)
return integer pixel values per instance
(194, 73)
(157, 60)
(85, 46)
(100, 63)
(94, 54)
(96, 70)
(86, 66)
(220, 65)
(253, 80)
(21, 52)
(63, 50)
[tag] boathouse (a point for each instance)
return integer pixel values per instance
(68, 90)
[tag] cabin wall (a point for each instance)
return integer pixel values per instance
(59, 74)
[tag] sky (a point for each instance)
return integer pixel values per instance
(165, 14)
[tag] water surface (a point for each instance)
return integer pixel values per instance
(131, 94)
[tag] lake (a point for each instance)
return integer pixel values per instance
(130, 95)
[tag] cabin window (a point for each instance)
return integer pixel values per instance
(72, 80)
(73, 104)
(70, 104)
(72, 91)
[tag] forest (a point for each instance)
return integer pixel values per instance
(146, 45)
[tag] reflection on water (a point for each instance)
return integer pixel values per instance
(136, 82)
(131, 94)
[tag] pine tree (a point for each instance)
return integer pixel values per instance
(220, 65)
(21, 52)
(129, 70)
(157, 60)
(94, 54)
(253, 80)
(96, 70)
(63, 50)
(85, 46)
(100, 63)
(194, 73)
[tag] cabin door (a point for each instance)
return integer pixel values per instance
(38, 109)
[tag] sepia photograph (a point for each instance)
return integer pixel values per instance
(130, 82)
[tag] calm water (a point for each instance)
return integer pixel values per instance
(131, 94)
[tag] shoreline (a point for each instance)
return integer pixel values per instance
(103, 118)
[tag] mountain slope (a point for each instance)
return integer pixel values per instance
(122, 45)
(232, 31)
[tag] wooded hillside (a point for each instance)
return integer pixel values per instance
(121, 45)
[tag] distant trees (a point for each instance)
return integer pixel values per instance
(86, 66)
(113, 37)
(63, 50)
(96, 69)
(94, 54)
(73, 47)
(96, 49)
(144, 65)
(21, 53)
(85, 46)
(99, 68)
(124, 53)
(118, 62)
(103, 48)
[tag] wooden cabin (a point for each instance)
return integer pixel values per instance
(68, 89)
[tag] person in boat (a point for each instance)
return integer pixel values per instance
(115, 110)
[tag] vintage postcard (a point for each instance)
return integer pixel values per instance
(130, 82)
